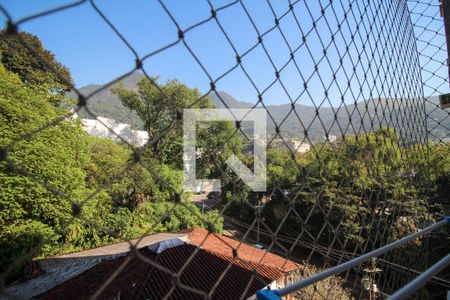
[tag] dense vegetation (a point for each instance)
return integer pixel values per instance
(353, 195)
(348, 186)
(24, 55)
(60, 172)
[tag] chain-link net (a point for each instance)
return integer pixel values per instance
(431, 44)
(429, 27)
(349, 90)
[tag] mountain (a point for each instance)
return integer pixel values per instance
(348, 119)
(229, 101)
(106, 104)
(403, 115)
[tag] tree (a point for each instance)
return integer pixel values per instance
(17, 58)
(281, 169)
(359, 180)
(110, 164)
(158, 109)
(56, 156)
(348, 190)
(18, 240)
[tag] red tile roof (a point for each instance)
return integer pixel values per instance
(202, 274)
(222, 245)
(212, 269)
(59, 269)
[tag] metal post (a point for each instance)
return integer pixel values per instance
(358, 260)
(420, 281)
(445, 13)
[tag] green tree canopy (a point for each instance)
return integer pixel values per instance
(56, 156)
(111, 165)
(158, 108)
(17, 58)
(161, 108)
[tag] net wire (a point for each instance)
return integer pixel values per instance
(384, 60)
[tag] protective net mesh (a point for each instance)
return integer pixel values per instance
(431, 43)
(348, 154)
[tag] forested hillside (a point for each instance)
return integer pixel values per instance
(106, 104)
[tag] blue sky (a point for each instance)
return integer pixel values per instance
(84, 42)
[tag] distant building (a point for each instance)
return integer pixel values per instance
(235, 270)
(299, 146)
(111, 129)
(331, 138)
(294, 145)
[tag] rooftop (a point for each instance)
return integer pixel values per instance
(59, 269)
(220, 266)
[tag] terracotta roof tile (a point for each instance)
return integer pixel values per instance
(142, 281)
(222, 245)
(59, 269)
(211, 270)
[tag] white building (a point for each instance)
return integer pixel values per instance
(294, 145)
(331, 138)
(111, 129)
(298, 146)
